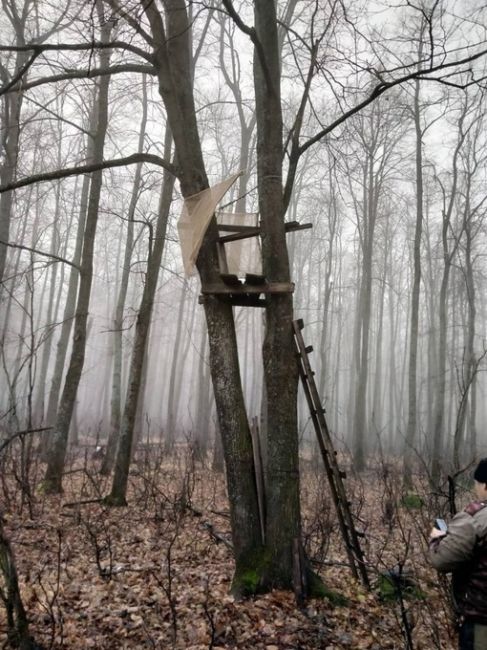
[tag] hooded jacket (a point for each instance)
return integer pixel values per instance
(463, 551)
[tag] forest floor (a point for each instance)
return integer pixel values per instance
(157, 573)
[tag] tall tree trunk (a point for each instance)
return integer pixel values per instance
(365, 306)
(57, 453)
(10, 134)
(328, 286)
(50, 319)
(414, 323)
(173, 64)
(439, 412)
(71, 296)
(203, 413)
(469, 365)
(173, 397)
(283, 524)
(118, 319)
(118, 494)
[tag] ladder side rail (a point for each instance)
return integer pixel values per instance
(318, 409)
(325, 454)
(318, 413)
(339, 486)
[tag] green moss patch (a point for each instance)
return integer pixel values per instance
(250, 573)
(392, 586)
(412, 501)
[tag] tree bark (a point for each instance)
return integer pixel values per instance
(118, 319)
(448, 253)
(57, 453)
(172, 58)
(71, 296)
(118, 494)
(283, 524)
(414, 323)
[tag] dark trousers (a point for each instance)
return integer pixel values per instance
(473, 636)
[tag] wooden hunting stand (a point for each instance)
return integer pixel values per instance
(247, 292)
(253, 292)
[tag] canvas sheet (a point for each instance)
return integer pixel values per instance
(195, 219)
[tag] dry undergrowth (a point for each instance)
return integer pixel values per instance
(157, 573)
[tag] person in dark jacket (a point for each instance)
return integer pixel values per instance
(462, 550)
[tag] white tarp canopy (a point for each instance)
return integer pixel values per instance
(195, 219)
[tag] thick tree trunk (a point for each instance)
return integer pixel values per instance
(280, 368)
(17, 621)
(173, 63)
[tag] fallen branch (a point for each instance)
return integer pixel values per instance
(84, 502)
(207, 525)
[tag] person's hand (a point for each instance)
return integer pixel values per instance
(436, 534)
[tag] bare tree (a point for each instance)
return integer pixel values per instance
(57, 452)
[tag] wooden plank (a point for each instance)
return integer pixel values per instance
(252, 278)
(245, 301)
(227, 227)
(259, 473)
(237, 300)
(230, 279)
(243, 288)
(252, 232)
(291, 226)
(243, 232)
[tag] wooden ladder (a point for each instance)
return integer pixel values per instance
(328, 453)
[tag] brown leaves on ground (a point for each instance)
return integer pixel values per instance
(153, 575)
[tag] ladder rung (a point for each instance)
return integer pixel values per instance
(300, 323)
(308, 349)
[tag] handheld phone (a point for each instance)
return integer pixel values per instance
(441, 525)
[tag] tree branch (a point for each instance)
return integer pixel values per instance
(37, 252)
(423, 74)
(251, 32)
(39, 48)
(18, 76)
(21, 434)
(76, 74)
(88, 169)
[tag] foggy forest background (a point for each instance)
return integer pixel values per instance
(417, 154)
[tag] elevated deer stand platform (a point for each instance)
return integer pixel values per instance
(245, 292)
(253, 291)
